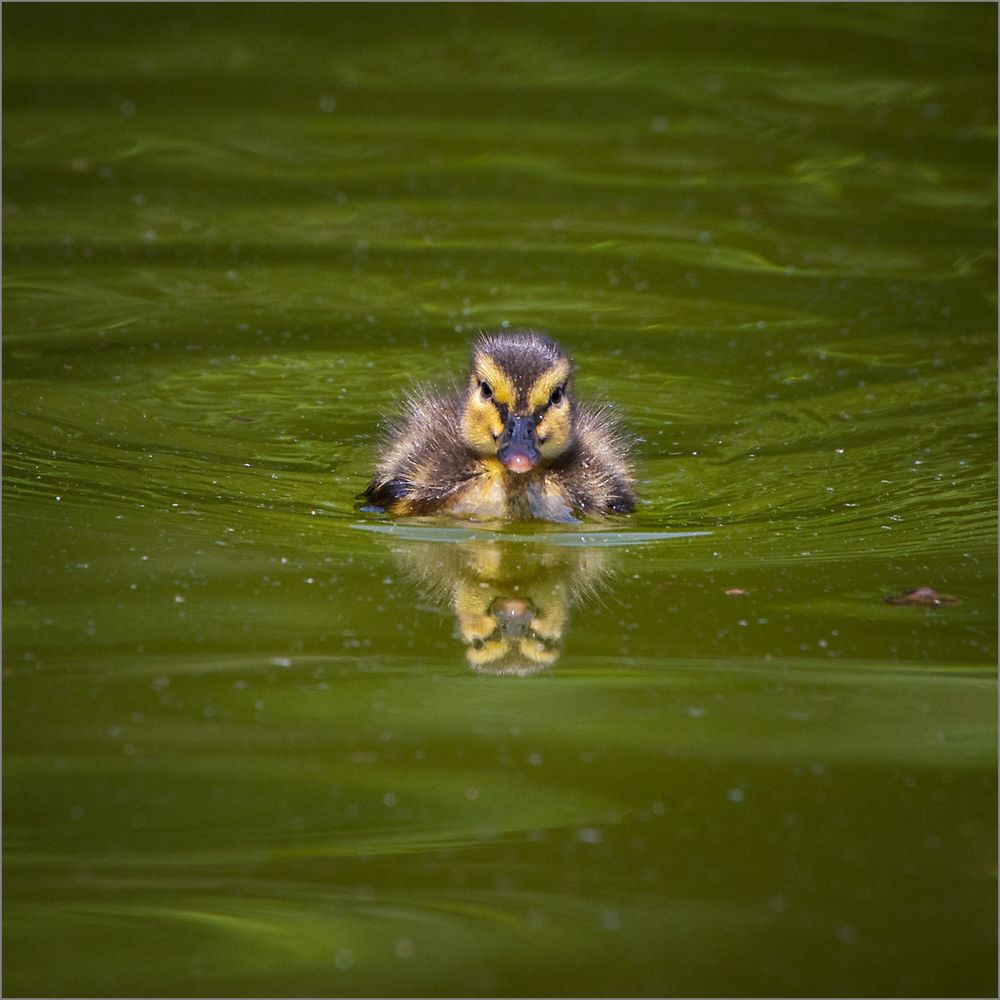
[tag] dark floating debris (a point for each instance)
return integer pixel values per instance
(924, 597)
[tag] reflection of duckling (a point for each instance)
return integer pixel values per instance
(511, 601)
(514, 445)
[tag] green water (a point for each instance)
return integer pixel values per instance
(253, 744)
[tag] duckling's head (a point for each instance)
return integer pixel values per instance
(519, 409)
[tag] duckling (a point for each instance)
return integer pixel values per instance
(514, 445)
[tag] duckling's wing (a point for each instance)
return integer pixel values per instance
(425, 460)
(600, 478)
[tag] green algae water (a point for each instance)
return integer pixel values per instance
(259, 742)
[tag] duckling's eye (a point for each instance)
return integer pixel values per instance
(557, 394)
(485, 390)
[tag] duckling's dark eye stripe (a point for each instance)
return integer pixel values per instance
(554, 400)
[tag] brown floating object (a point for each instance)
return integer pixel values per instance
(924, 597)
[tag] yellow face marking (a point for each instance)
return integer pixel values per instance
(487, 370)
(555, 430)
(546, 384)
(481, 423)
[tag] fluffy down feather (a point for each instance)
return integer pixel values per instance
(427, 466)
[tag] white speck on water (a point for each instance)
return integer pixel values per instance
(695, 712)
(735, 795)
(847, 934)
(610, 920)
(281, 661)
(471, 794)
(389, 799)
(404, 948)
(590, 835)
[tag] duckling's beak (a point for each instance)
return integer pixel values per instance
(516, 447)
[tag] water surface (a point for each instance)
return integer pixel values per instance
(259, 742)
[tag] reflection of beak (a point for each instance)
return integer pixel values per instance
(513, 615)
(516, 447)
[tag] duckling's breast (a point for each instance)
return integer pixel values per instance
(548, 500)
(495, 493)
(486, 495)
